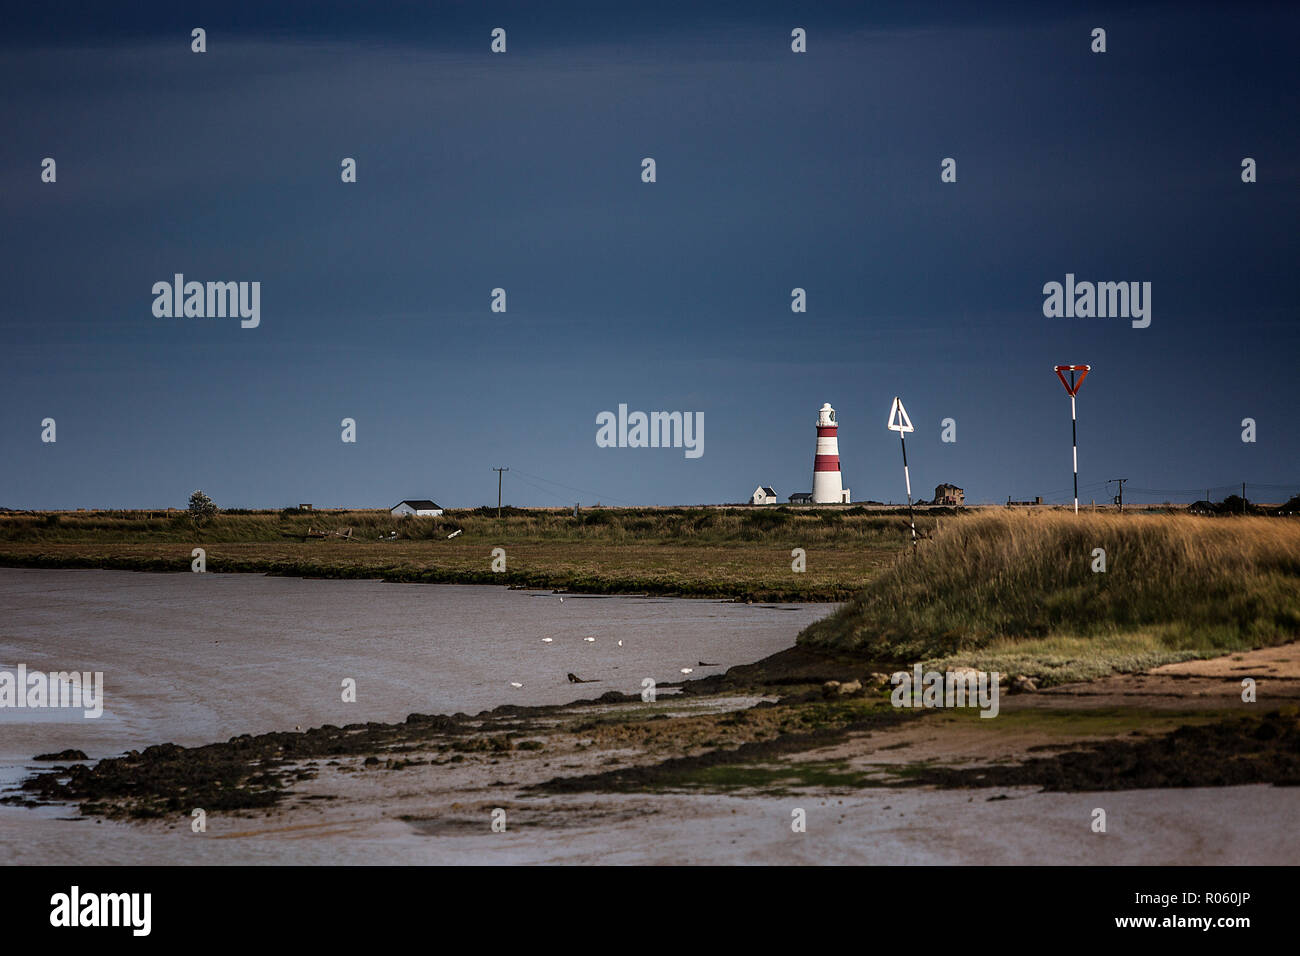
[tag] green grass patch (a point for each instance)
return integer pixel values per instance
(1063, 660)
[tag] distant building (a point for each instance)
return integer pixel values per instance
(949, 495)
(763, 495)
(420, 507)
(304, 507)
(801, 498)
(1038, 500)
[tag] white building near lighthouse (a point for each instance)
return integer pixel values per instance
(828, 486)
(421, 507)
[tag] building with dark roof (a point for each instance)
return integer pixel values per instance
(421, 507)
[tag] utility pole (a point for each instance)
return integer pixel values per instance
(499, 471)
(1243, 497)
(1119, 499)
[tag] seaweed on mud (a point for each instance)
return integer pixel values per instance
(1234, 752)
(244, 773)
(676, 771)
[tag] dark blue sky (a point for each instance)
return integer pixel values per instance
(522, 171)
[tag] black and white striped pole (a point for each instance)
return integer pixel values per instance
(1072, 389)
(899, 422)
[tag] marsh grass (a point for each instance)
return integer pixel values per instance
(698, 552)
(1016, 592)
(679, 526)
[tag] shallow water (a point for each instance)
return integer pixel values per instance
(195, 658)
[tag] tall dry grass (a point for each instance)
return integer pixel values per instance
(1176, 583)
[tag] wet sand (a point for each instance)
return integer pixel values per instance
(1222, 826)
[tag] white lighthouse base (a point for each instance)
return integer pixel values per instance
(827, 489)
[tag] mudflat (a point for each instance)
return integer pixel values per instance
(620, 779)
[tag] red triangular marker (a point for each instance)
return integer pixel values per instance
(1082, 369)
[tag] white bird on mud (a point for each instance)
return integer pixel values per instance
(590, 640)
(620, 643)
(687, 670)
(548, 640)
(515, 683)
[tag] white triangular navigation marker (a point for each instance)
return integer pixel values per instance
(898, 420)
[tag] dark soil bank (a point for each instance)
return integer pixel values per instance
(672, 772)
(1229, 753)
(785, 669)
(253, 771)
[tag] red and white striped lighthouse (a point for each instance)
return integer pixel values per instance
(828, 487)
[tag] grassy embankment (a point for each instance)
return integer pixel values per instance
(700, 552)
(1016, 593)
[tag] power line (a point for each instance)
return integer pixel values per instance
(1213, 488)
(584, 491)
(545, 491)
(1183, 491)
(1065, 492)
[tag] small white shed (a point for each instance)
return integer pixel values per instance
(763, 495)
(420, 507)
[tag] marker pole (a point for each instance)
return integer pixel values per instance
(1074, 440)
(899, 422)
(908, 479)
(1072, 387)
